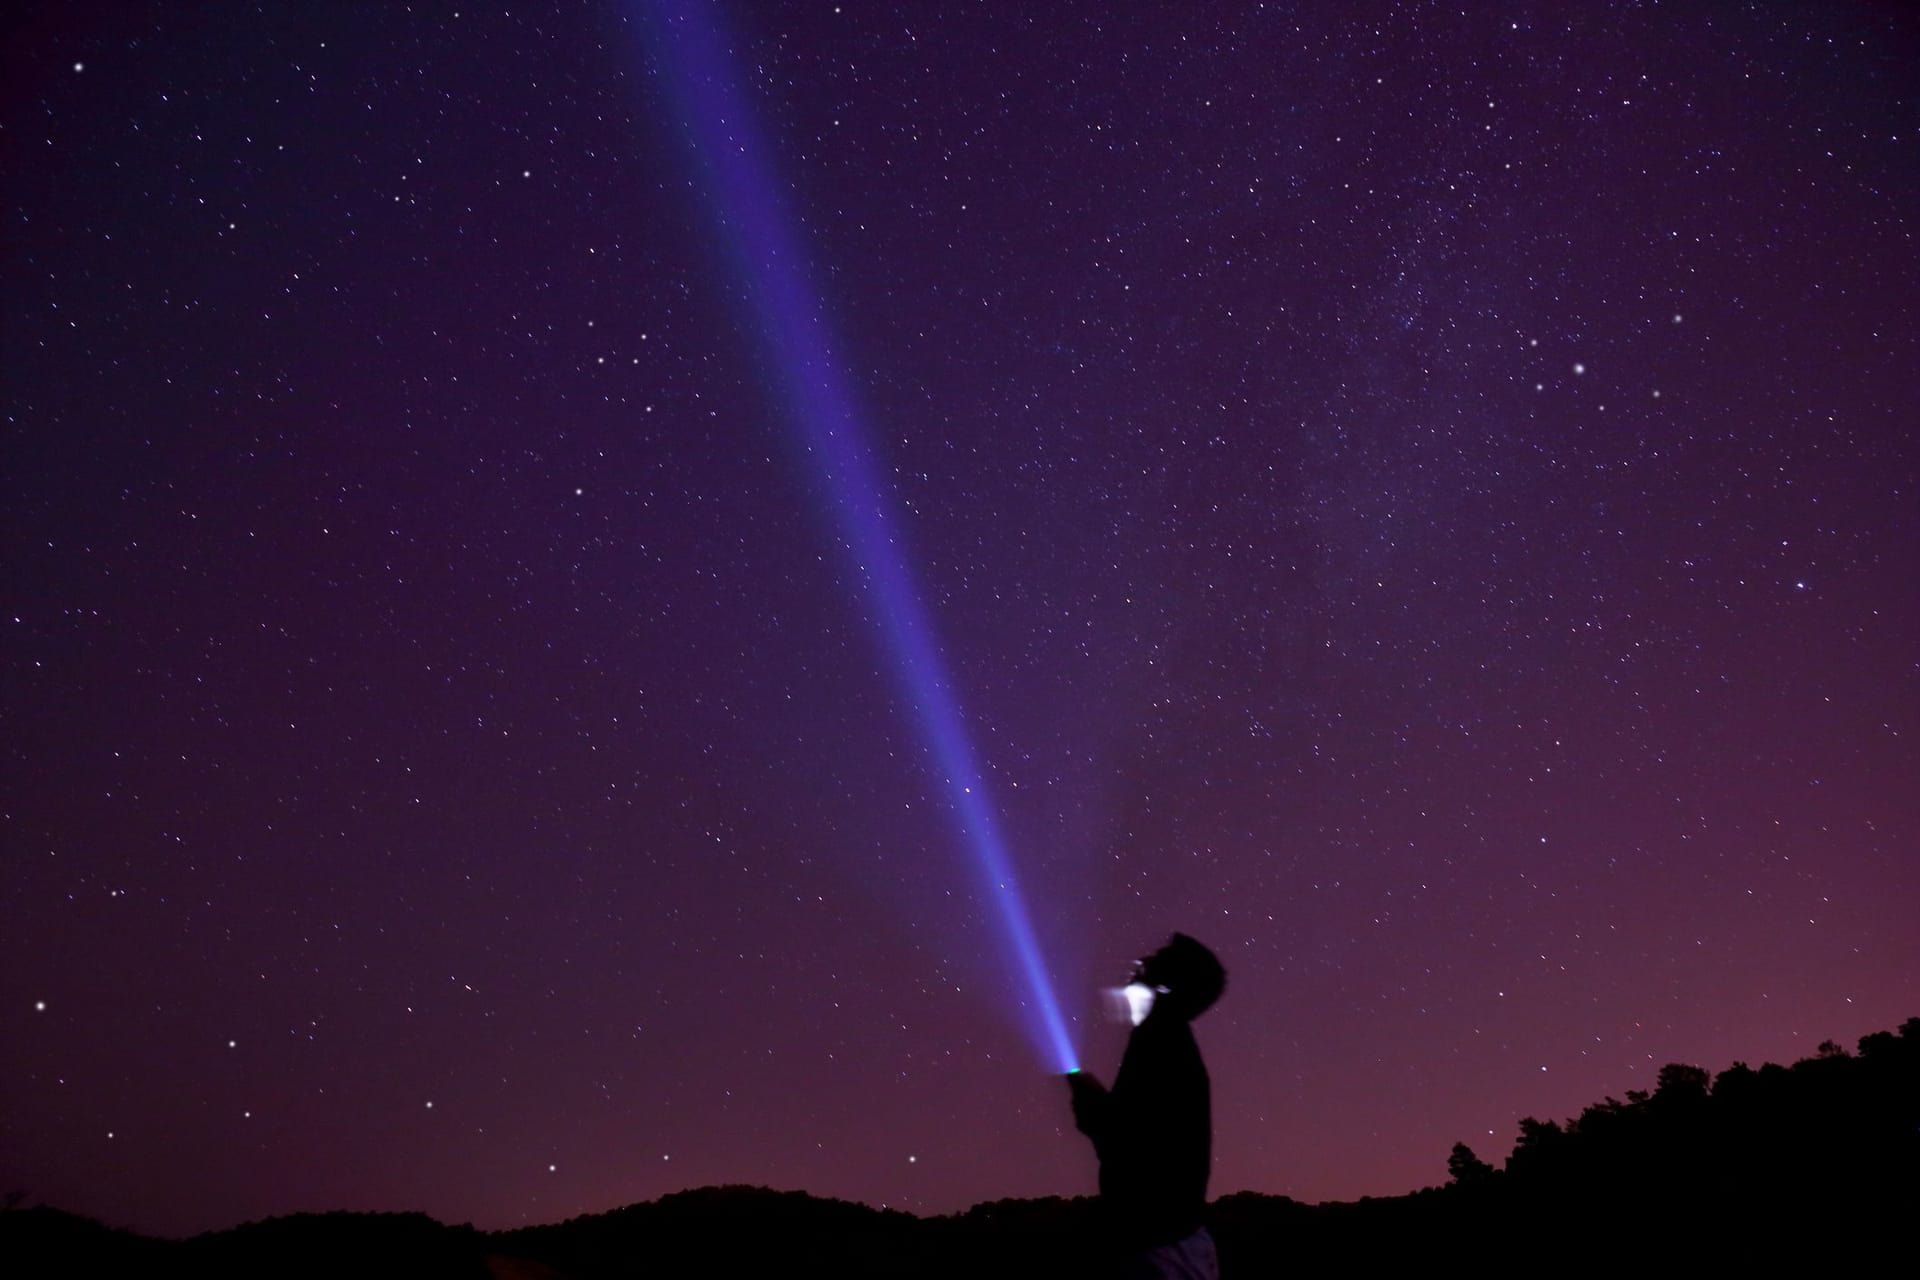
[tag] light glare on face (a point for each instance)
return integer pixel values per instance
(1133, 1001)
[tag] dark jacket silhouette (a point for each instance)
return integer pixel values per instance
(1153, 1131)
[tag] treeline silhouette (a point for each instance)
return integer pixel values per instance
(1816, 1163)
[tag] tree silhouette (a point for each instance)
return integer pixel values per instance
(1538, 1148)
(1680, 1082)
(1881, 1046)
(1466, 1168)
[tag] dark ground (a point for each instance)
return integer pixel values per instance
(1818, 1162)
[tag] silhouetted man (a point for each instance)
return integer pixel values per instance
(1153, 1131)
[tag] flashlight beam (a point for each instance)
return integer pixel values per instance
(768, 255)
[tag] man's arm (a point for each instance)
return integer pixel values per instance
(1092, 1106)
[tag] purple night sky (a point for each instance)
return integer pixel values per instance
(1426, 501)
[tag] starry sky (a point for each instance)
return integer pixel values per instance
(1420, 497)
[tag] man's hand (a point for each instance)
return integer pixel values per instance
(1089, 1102)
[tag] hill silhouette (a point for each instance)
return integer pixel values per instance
(1749, 1168)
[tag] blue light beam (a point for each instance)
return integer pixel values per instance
(768, 255)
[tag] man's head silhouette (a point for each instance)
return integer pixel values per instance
(1186, 977)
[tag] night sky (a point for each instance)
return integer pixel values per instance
(1422, 498)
